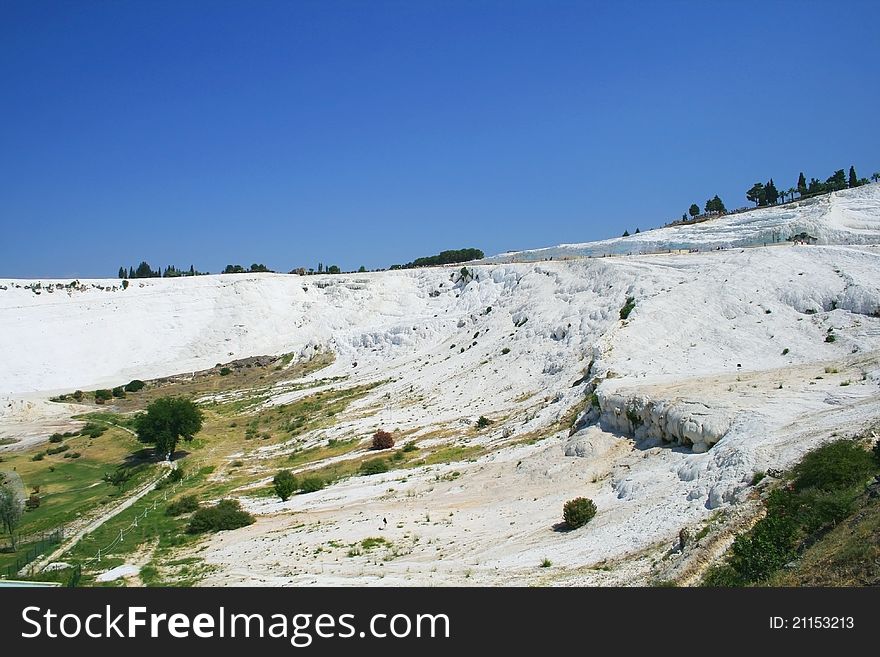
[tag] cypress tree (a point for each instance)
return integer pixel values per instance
(802, 184)
(853, 178)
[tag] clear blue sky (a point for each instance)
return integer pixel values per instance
(370, 133)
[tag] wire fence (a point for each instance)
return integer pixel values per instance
(120, 538)
(34, 550)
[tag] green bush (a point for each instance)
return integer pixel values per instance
(39, 456)
(373, 466)
(627, 307)
(285, 483)
(578, 512)
(825, 489)
(135, 385)
(93, 430)
(185, 504)
(483, 422)
(103, 395)
(176, 475)
(411, 447)
(72, 455)
(311, 485)
(118, 392)
(57, 450)
(78, 395)
(225, 515)
(225, 371)
(837, 465)
(830, 338)
(56, 438)
(505, 351)
(768, 547)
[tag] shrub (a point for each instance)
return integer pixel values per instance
(578, 512)
(840, 464)
(134, 385)
(118, 477)
(311, 485)
(483, 422)
(505, 351)
(383, 440)
(118, 392)
(225, 371)
(57, 450)
(225, 515)
(285, 483)
(830, 338)
(785, 351)
(546, 563)
(185, 504)
(72, 455)
(56, 438)
(627, 307)
(39, 456)
(103, 395)
(176, 475)
(373, 466)
(411, 447)
(78, 395)
(93, 430)
(768, 547)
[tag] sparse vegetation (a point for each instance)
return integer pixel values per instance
(483, 422)
(627, 307)
(822, 490)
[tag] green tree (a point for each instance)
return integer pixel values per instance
(756, 194)
(167, 420)
(361, 269)
(875, 176)
(715, 204)
(694, 210)
(771, 194)
(791, 193)
(625, 233)
(802, 184)
(333, 269)
(836, 181)
(11, 503)
(853, 178)
(144, 271)
(122, 272)
(284, 483)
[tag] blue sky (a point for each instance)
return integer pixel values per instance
(371, 133)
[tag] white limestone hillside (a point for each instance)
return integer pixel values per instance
(850, 216)
(722, 369)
